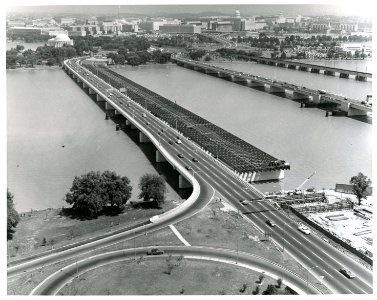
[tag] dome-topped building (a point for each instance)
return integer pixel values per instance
(60, 40)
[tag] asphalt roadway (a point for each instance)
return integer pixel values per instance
(319, 258)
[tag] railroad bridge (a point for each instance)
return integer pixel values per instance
(245, 160)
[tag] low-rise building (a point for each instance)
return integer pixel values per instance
(186, 28)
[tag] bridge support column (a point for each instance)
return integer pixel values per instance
(237, 78)
(79, 80)
(292, 67)
(282, 65)
(356, 112)
(117, 113)
(159, 157)
(183, 183)
(316, 99)
(297, 96)
(329, 73)
(222, 75)
(314, 70)
(210, 71)
(344, 75)
(361, 78)
(108, 106)
(252, 83)
(274, 89)
(143, 138)
(302, 68)
(84, 85)
(133, 126)
(128, 123)
(99, 98)
(92, 92)
(74, 76)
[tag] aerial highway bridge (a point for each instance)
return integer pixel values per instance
(350, 107)
(206, 175)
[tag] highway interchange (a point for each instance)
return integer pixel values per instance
(209, 175)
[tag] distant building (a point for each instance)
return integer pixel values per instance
(349, 27)
(130, 27)
(25, 30)
(67, 21)
(92, 21)
(59, 41)
(111, 27)
(87, 29)
(355, 47)
(186, 28)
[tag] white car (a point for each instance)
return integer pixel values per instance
(304, 229)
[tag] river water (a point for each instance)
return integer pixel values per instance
(47, 110)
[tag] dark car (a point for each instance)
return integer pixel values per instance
(347, 273)
(188, 168)
(146, 123)
(194, 160)
(155, 251)
(180, 155)
(170, 142)
(270, 223)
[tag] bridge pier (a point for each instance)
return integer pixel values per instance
(74, 76)
(267, 175)
(183, 183)
(302, 68)
(356, 112)
(252, 83)
(274, 89)
(108, 106)
(329, 73)
(84, 85)
(222, 75)
(282, 65)
(79, 80)
(210, 71)
(160, 157)
(344, 75)
(91, 91)
(296, 96)
(361, 78)
(143, 138)
(99, 98)
(314, 70)
(235, 78)
(316, 99)
(291, 66)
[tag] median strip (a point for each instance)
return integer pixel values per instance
(176, 232)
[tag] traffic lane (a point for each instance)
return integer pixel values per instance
(308, 243)
(55, 282)
(328, 250)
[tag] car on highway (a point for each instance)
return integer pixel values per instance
(144, 115)
(155, 251)
(270, 223)
(244, 202)
(304, 229)
(188, 168)
(170, 142)
(178, 141)
(277, 206)
(347, 273)
(195, 159)
(147, 123)
(180, 155)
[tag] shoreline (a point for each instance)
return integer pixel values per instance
(36, 68)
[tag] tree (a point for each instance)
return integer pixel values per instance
(20, 47)
(270, 290)
(153, 187)
(13, 217)
(91, 193)
(116, 189)
(360, 185)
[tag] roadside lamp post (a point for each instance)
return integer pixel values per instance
(307, 278)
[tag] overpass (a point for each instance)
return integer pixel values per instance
(350, 107)
(206, 176)
(326, 70)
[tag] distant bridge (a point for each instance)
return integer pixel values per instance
(350, 107)
(326, 70)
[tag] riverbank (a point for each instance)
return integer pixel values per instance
(36, 68)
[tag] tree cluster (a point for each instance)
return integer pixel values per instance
(153, 188)
(13, 217)
(94, 193)
(29, 58)
(360, 186)
(139, 57)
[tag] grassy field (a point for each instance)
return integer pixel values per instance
(213, 226)
(151, 277)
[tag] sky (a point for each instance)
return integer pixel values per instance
(291, 8)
